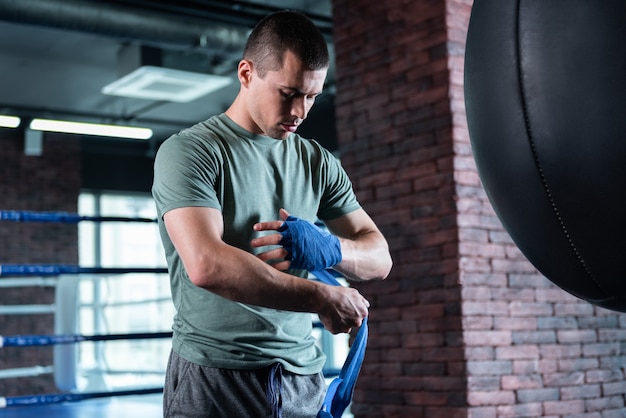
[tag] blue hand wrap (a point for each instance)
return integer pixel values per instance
(309, 247)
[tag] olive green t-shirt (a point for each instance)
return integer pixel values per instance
(218, 164)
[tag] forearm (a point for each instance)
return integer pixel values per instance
(240, 276)
(365, 257)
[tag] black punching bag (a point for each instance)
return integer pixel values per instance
(545, 92)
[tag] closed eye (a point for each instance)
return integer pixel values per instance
(292, 94)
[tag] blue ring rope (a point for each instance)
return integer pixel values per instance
(30, 400)
(42, 340)
(55, 270)
(63, 217)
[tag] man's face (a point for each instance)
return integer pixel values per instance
(279, 102)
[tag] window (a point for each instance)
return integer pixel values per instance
(102, 304)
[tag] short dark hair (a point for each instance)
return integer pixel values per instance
(282, 31)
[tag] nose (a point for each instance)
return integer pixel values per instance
(300, 108)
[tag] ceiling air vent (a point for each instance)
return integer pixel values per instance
(157, 83)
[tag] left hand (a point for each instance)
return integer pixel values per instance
(278, 254)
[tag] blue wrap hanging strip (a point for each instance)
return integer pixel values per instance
(339, 394)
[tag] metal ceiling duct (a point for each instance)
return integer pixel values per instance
(165, 30)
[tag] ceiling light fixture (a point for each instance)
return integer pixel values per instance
(9, 121)
(157, 83)
(97, 129)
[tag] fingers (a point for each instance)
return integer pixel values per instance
(275, 254)
(281, 265)
(335, 328)
(346, 308)
(272, 225)
(267, 226)
(276, 259)
(273, 239)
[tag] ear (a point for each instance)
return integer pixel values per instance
(244, 72)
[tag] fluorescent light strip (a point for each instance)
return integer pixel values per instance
(90, 129)
(9, 121)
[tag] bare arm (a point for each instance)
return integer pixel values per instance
(364, 249)
(240, 276)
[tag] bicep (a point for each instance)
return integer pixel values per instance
(194, 231)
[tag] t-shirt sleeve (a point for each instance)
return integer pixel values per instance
(339, 198)
(185, 174)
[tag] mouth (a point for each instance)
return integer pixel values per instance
(290, 127)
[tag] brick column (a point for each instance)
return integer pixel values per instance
(395, 129)
(464, 326)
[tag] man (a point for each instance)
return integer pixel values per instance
(224, 188)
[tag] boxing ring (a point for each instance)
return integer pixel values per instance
(83, 392)
(87, 392)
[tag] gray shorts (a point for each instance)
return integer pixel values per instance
(192, 390)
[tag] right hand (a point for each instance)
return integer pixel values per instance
(343, 308)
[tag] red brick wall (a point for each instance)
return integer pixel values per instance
(50, 182)
(464, 326)
(395, 130)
